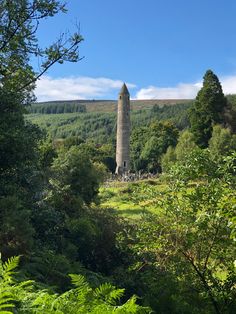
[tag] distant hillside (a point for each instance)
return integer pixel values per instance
(98, 121)
(56, 107)
(105, 105)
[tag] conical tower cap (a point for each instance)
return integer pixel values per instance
(124, 90)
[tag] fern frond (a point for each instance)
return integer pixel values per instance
(109, 293)
(115, 295)
(82, 289)
(25, 284)
(131, 307)
(78, 281)
(11, 264)
(6, 277)
(4, 295)
(6, 299)
(4, 304)
(103, 290)
(8, 268)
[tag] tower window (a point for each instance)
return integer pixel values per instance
(120, 97)
(124, 164)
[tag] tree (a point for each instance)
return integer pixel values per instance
(208, 109)
(197, 164)
(19, 151)
(168, 159)
(137, 141)
(148, 144)
(185, 144)
(230, 114)
(18, 180)
(19, 22)
(160, 136)
(188, 240)
(221, 143)
(75, 177)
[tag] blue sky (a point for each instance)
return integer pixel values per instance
(161, 48)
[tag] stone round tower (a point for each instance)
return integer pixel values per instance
(123, 132)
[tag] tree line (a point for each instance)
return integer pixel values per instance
(55, 108)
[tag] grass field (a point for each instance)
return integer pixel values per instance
(133, 199)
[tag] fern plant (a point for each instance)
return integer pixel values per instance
(7, 271)
(83, 299)
(25, 298)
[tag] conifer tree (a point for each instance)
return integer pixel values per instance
(208, 109)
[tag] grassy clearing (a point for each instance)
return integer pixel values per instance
(133, 199)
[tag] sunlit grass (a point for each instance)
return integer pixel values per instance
(133, 199)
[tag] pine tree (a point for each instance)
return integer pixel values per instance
(208, 109)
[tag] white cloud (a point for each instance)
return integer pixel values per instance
(70, 88)
(184, 91)
(181, 91)
(228, 84)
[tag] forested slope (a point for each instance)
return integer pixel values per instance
(100, 125)
(102, 105)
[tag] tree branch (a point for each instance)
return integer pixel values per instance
(60, 57)
(204, 282)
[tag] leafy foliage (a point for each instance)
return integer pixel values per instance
(178, 154)
(208, 109)
(6, 278)
(81, 299)
(189, 244)
(20, 173)
(18, 28)
(18, 180)
(222, 142)
(75, 176)
(196, 165)
(149, 143)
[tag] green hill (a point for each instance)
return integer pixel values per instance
(96, 119)
(105, 105)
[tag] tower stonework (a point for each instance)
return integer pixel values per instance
(123, 132)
